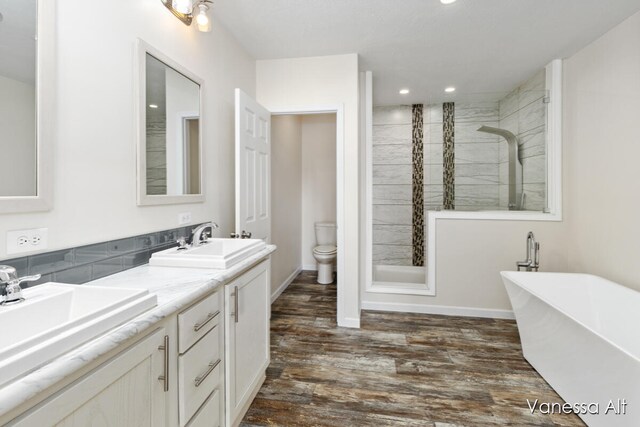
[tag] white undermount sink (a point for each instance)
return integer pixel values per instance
(54, 318)
(216, 253)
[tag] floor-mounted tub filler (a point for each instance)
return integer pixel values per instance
(582, 334)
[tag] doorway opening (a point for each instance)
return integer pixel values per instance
(306, 189)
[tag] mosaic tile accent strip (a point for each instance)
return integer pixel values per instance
(448, 156)
(85, 263)
(417, 124)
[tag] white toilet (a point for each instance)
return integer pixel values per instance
(326, 251)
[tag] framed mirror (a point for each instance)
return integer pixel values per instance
(169, 131)
(27, 82)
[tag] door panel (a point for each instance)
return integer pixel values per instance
(253, 159)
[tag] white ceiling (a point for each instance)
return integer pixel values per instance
(17, 40)
(478, 46)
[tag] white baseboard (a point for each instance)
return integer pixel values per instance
(438, 309)
(349, 322)
(285, 284)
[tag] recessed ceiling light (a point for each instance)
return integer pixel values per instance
(404, 91)
(447, 1)
(450, 89)
(153, 106)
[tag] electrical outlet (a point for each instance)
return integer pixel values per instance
(20, 241)
(184, 218)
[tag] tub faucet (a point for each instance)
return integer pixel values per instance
(198, 233)
(532, 263)
(11, 282)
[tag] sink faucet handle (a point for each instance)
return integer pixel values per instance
(32, 278)
(182, 243)
(12, 290)
(245, 235)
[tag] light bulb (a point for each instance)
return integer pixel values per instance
(404, 91)
(182, 6)
(450, 89)
(203, 21)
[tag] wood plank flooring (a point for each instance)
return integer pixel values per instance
(397, 370)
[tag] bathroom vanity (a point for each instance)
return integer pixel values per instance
(197, 359)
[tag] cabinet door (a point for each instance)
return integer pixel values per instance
(247, 339)
(124, 391)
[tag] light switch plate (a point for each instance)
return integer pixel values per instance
(21, 241)
(184, 218)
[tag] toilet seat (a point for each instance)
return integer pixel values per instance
(325, 249)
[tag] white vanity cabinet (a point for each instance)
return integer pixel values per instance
(124, 391)
(247, 308)
(201, 366)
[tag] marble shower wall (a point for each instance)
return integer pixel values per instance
(523, 112)
(477, 161)
(392, 185)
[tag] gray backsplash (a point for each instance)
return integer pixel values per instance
(85, 263)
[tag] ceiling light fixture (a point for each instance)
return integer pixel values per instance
(404, 91)
(447, 1)
(153, 106)
(450, 89)
(203, 21)
(184, 11)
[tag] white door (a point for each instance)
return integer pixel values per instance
(253, 161)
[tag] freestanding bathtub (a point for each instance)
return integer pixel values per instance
(582, 334)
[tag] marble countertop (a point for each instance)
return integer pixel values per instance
(175, 288)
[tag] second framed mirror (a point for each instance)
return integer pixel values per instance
(169, 130)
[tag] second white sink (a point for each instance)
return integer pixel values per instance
(216, 253)
(54, 318)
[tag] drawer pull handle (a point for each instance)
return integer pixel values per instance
(209, 318)
(165, 374)
(200, 378)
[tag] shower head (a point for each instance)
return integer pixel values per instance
(510, 137)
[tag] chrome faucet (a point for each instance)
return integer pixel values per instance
(532, 263)
(13, 291)
(198, 233)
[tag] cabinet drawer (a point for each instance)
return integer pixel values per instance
(195, 322)
(209, 414)
(199, 374)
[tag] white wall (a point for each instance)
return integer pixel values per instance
(286, 198)
(318, 179)
(94, 161)
(602, 139)
(17, 138)
(290, 83)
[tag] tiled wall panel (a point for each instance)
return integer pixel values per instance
(523, 112)
(85, 263)
(392, 171)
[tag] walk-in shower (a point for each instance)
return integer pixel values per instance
(459, 152)
(516, 195)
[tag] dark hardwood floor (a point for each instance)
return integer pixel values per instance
(397, 370)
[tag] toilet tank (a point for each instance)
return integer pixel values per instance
(326, 233)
